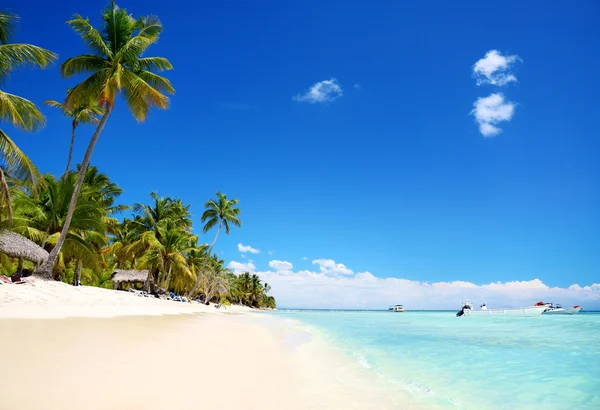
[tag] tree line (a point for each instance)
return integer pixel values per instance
(75, 216)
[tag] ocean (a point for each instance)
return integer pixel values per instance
(441, 361)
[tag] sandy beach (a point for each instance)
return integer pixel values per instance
(81, 347)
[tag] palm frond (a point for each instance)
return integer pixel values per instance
(19, 165)
(141, 96)
(91, 87)
(92, 37)
(118, 26)
(86, 63)
(21, 112)
(13, 56)
(7, 25)
(156, 81)
(153, 63)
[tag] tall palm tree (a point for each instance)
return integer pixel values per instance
(221, 212)
(20, 112)
(42, 218)
(86, 113)
(116, 66)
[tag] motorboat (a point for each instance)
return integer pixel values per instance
(552, 309)
(467, 310)
(396, 308)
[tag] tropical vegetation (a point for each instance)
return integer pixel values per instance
(77, 216)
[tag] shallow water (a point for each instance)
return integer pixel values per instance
(550, 362)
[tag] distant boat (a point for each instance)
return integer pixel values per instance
(396, 308)
(557, 309)
(467, 310)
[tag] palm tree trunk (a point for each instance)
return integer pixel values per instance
(6, 192)
(20, 266)
(197, 285)
(77, 273)
(45, 269)
(168, 278)
(70, 149)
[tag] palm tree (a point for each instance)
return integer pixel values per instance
(116, 66)
(221, 212)
(86, 113)
(214, 279)
(163, 251)
(20, 112)
(42, 218)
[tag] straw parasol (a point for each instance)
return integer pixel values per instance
(128, 276)
(17, 246)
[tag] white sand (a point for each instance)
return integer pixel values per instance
(51, 299)
(193, 361)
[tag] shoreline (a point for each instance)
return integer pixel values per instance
(155, 354)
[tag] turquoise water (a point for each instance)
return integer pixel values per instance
(439, 360)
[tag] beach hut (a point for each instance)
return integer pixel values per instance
(17, 246)
(120, 276)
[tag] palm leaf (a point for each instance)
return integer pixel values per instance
(7, 27)
(85, 63)
(20, 166)
(21, 112)
(153, 63)
(13, 56)
(140, 96)
(92, 37)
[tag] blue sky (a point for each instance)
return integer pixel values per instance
(383, 168)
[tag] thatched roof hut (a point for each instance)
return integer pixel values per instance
(128, 276)
(17, 246)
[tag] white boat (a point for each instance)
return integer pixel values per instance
(467, 310)
(552, 309)
(396, 308)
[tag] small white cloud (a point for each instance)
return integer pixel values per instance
(281, 266)
(247, 248)
(356, 86)
(239, 267)
(329, 267)
(494, 69)
(271, 252)
(305, 258)
(491, 110)
(321, 92)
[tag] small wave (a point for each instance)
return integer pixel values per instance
(362, 360)
(413, 387)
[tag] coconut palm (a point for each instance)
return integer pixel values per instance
(214, 279)
(222, 212)
(116, 66)
(20, 112)
(42, 218)
(86, 113)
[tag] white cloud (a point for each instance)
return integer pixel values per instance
(494, 69)
(306, 289)
(247, 248)
(321, 92)
(239, 267)
(329, 267)
(281, 266)
(271, 252)
(491, 110)
(305, 258)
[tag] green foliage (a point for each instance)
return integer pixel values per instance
(115, 64)
(157, 235)
(18, 111)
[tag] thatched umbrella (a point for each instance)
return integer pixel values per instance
(128, 276)
(17, 246)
